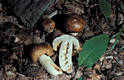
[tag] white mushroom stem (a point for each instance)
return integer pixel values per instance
(49, 65)
(74, 34)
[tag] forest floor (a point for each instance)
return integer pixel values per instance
(15, 59)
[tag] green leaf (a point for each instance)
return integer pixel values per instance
(105, 8)
(123, 26)
(122, 47)
(80, 78)
(122, 7)
(92, 50)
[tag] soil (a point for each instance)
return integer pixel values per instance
(17, 41)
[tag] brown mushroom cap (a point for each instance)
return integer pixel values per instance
(38, 50)
(48, 25)
(75, 23)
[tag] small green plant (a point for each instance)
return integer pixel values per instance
(92, 50)
(121, 48)
(117, 36)
(80, 78)
(122, 7)
(105, 8)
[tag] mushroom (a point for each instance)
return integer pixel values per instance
(43, 52)
(74, 24)
(66, 50)
(48, 25)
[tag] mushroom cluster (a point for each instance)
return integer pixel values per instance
(67, 45)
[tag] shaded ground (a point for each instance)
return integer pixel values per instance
(15, 61)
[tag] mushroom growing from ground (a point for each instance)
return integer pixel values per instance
(66, 50)
(48, 25)
(74, 24)
(43, 52)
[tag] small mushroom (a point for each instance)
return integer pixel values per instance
(48, 25)
(74, 24)
(66, 50)
(43, 52)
